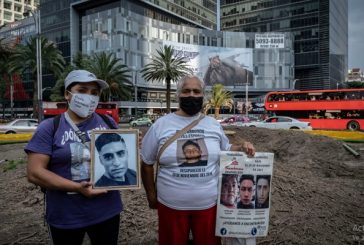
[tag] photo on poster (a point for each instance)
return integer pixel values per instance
(218, 65)
(244, 194)
(115, 159)
(262, 187)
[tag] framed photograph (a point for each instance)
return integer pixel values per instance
(115, 159)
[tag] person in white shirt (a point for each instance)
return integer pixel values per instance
(187, 196)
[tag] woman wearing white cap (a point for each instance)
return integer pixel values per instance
(60, 163)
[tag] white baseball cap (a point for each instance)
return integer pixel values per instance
(83, 76)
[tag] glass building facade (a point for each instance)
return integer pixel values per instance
(134, 30)
(319, 27)
(55, 19)
(202, 13)
(134, 37)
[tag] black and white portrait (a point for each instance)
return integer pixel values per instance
(115, 161)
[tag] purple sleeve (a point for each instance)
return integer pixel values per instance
(42, 140)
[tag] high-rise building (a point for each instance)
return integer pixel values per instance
(55, 17)
(200, 13)
(133, 31)
(319, 27)
(12, 10)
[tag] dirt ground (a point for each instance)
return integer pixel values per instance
(317, 195)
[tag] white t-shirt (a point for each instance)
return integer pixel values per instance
(186, 187)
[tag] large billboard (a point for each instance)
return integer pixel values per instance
(228, 66)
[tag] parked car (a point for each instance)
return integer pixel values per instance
(126, 119)
(19, 126)
(234, 119)
(143, 121)
(279, 122)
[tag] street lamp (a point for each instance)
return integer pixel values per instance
(161, 102)
(134, 71)
(11, 96)
(294, 84)
(246, 94)
(36, 17)
(44, 89)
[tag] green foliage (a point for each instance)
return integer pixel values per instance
(355, 84)
(79, 61)
(58, 89)
(12, 164)
(5, 71)
(166, 66)
(110, 69)
(25, 59)
(218, 98)
(104, 66)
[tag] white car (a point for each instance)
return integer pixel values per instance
(279, 122)
(19, 126)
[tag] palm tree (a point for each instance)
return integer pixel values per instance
(4, 61)
(219, 98)
(80, 61)
(3, 50)
(25, 59)
(109, 68)
(5, 53)
(6, 70)
(165, 66)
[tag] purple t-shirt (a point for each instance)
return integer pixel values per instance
(71, 160)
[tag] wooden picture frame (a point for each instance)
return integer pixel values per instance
(115, 159)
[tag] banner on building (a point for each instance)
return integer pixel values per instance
(244, 194)
(227, 66)
(269, 40)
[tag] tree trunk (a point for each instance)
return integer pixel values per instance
(35, 99)
(168, 94)
(217, 112)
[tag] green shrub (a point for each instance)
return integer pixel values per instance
(12, 164)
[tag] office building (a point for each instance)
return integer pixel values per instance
(122, 28)
(134, 30)
(319, 27)
(199, 13)
(12, 10)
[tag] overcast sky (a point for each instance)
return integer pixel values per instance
(356, 34)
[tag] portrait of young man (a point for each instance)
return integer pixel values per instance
(262, 191)
(113, 157)
(192, 154)
(246, 183)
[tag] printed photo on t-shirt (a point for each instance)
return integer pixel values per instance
(192, 152)
(80, 161)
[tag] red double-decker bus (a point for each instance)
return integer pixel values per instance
(324, 109)
(51, 109)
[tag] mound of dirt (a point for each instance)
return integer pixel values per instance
(317, 195)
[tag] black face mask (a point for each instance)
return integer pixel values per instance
(191, 105)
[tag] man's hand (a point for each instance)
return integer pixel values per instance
(86, 190)
(248, 148)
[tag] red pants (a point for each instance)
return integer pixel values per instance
(175, 226)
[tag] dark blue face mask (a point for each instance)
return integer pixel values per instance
(191, 105)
